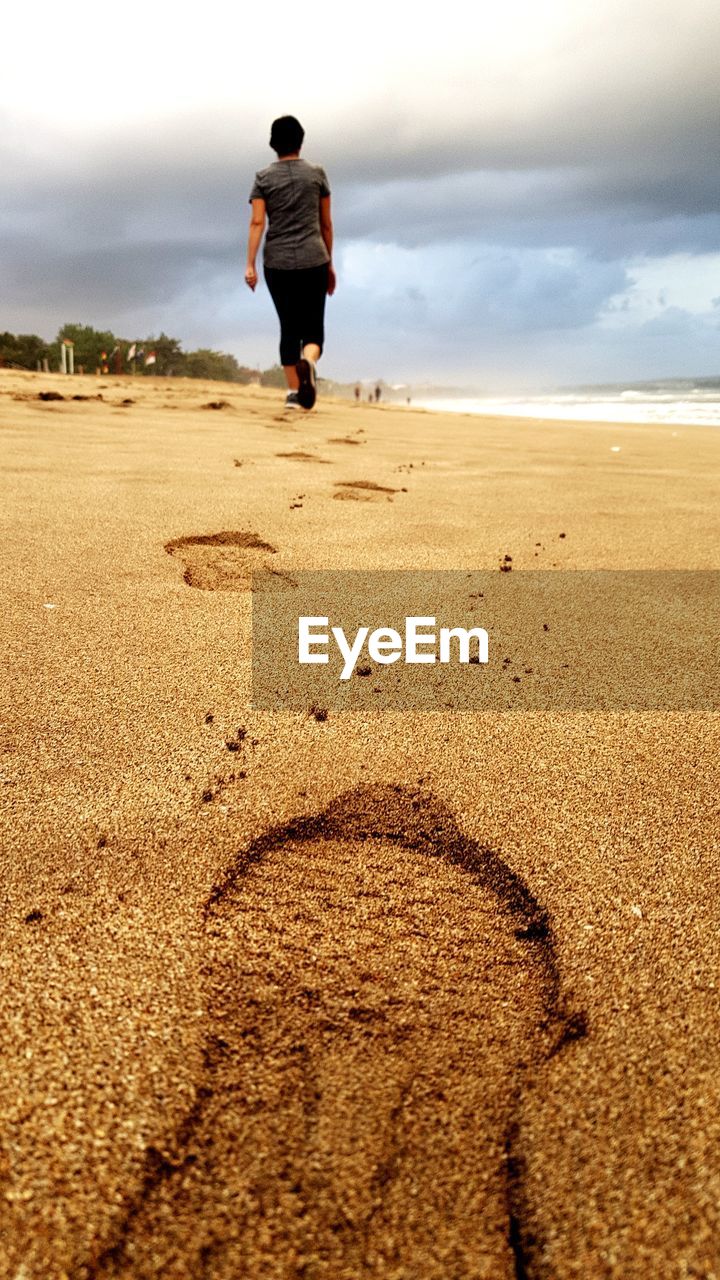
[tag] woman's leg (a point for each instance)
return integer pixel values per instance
(283, 291)
(314, 292)
(312, 316)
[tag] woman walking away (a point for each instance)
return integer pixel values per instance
(295, 198)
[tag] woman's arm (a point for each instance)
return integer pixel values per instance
(326, 228)
(255, 235)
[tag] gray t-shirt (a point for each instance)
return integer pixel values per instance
(291, 190)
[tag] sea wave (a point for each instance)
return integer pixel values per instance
(696, 408)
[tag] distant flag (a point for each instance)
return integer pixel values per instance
(150, 358)
(131, 352)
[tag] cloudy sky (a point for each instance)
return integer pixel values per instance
(526, 193)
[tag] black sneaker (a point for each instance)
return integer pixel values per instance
(306, 392)
(291, 400)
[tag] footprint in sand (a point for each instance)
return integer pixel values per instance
(343, 440)
(289, 417)
(223, 561)
(376, 987)
(299, 456)
(361, 490)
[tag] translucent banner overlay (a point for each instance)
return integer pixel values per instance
(487, 641)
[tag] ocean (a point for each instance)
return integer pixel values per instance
(693, 407)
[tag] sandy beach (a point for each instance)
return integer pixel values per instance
(396, 995)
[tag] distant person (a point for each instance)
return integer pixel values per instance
(357, 391)
(297, 257)
(377, 395)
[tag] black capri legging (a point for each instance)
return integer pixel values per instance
(299, 298)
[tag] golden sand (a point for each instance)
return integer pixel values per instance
(408, 996)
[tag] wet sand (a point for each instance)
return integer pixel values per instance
(389, 995)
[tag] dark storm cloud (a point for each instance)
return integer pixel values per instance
(123, 274)
(196, 180)
(124, 232)
(570, 207)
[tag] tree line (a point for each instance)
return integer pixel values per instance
(96, 349)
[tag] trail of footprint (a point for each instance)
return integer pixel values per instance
(376, 987)
(222, 561)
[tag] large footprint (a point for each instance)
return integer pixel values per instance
(223, 561)
(377, 986)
